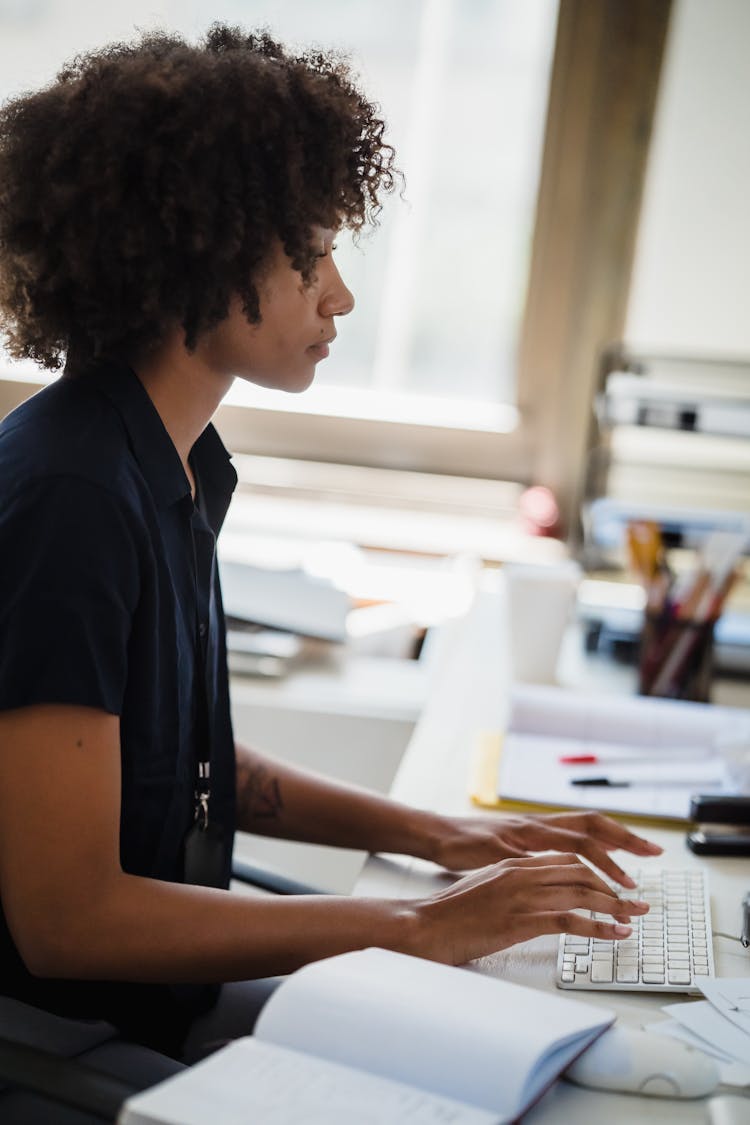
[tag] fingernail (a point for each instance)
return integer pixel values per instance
(655, 848)
(627, 881)
(623, 931)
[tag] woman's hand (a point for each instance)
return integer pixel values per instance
(464, 843)
(515, 900)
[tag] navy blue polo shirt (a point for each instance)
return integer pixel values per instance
(108, 585)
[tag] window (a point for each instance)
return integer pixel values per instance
(440, 285)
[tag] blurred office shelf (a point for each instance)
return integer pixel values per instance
(683, 420)
(670, 442)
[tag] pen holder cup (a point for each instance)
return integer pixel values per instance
(676, 659)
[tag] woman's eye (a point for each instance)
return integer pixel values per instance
(324, 253)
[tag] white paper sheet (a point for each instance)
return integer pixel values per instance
(708, 1024)
(731, 997)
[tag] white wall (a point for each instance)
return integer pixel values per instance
(691, 281)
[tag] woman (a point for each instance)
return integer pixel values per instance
(167, 217)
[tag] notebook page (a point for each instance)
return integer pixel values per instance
(447, 1030)
(250, 1081)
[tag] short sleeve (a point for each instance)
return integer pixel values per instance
(69, 585)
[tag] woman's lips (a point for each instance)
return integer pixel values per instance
(320, 351)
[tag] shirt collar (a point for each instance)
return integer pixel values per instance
(154, 449)
(216, 474)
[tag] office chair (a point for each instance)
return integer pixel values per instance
(69, 1085)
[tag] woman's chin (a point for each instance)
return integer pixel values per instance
(293, 383)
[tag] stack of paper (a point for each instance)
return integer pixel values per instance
(718, 1025)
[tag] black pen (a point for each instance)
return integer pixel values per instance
(745, 935)
(645, 782)
(599, 781)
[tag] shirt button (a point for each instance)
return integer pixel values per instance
(202, 628)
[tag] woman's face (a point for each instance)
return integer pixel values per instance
(296, 326)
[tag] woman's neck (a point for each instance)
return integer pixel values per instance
(185, 392)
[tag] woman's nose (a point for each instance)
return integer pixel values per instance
(336, 299)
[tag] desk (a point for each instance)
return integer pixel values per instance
(468, 693)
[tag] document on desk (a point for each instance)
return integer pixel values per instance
(707, 1022)
(731, 997)
(635, 756)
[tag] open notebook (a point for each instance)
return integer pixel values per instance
(655, 753)
(384, 1039)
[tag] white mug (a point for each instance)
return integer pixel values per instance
(540, 603)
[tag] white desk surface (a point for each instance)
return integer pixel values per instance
(469, 693)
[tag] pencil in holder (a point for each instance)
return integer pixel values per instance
(676, 658)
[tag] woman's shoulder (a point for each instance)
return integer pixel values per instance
(67, 430)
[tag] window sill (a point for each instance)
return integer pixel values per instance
(380, 509)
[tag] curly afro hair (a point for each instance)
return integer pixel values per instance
(145, 186)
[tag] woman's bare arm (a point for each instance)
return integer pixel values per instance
(74, 913)
(275, 799)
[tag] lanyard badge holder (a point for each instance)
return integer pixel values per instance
(204, 844)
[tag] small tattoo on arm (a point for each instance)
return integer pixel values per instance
(259, 793)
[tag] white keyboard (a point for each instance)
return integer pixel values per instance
(669, 950)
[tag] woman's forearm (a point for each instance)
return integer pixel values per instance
(148, 930)
(275, 799)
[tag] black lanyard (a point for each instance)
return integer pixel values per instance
(205, 852)
(203, 780)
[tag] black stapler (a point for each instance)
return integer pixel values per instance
(723, 825)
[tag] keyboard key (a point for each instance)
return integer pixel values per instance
(627, 974)
(653, 978)
(601, 972)
(679, 976)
